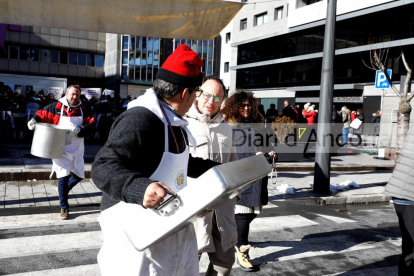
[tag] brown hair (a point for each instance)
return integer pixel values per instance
(231, 113)
(359, 110)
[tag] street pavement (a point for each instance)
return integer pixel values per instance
(295, 235)
(291, 237)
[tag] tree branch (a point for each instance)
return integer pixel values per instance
(408, 79)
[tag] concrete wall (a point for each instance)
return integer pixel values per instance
(317, 11)
(249, 11)
(225, 55)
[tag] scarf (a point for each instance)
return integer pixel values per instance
(151, 102)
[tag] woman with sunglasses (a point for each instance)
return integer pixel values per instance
(241, 111)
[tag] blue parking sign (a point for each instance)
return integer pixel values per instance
(381, 80)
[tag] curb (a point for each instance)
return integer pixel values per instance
(24, 174)
(334, 168)
(354, 199)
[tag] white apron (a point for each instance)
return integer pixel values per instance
(173, 256)
(72, 160)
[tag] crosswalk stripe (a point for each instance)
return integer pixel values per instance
(280, 222)
(12, 222)
(18, 247)
(336, 219)
(82, 270)
(311, 248)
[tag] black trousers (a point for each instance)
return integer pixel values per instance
(406, 220)
(243, 227)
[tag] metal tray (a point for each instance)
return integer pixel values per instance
(215, 186)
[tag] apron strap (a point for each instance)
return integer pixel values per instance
(169, 124)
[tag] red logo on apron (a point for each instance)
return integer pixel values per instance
(179, 181)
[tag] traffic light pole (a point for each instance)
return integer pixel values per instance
(322, 173)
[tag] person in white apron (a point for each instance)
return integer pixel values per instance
(147, 153)
(71, 117)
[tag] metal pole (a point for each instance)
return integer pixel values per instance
(323, 144)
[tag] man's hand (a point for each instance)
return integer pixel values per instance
(31, 124)
(154, 195)
(273, 154)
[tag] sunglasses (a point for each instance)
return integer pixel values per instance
(243, 106)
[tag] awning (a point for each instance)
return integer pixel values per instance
(190, 19)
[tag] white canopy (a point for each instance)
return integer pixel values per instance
(191, 19)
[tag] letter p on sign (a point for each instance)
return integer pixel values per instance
(381, 80)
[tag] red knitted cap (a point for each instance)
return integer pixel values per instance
(182, 68)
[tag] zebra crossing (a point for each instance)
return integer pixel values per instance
(40, 244)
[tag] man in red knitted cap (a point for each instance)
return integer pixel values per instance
(145, 155)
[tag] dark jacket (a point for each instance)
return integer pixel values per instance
(289, 112)
(256, 194)
(336, 118)
(132, 154)
(376, 121)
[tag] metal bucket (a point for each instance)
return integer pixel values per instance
(48, 141)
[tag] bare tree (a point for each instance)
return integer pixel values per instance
(378, 58)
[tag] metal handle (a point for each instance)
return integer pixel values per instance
(168, 206)
(273, 173)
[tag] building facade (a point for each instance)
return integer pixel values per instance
(133, 61)
(78, 56)
(277, 50)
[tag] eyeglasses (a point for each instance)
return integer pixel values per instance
(207, 96)
(198, 91)
(243, 106)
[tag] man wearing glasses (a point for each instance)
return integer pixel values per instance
(216, 232)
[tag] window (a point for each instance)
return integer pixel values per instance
(287, 10)
(90, 60)
(73, 58)
(34, 54)
(278, 13)
(260, 19)
(124, 57)
(45, 55)
(82, 59)
(99, 61)
(226, 67)
(14, 52)
(24, 53)
(3, 52)
(243, 24)
(302, 3)
(63, 57)
(228, 37)
(30, 54)
(54, 56)
(49, 56)
(125, 42)
(125, 72)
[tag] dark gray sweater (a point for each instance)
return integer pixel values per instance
(131, 155)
